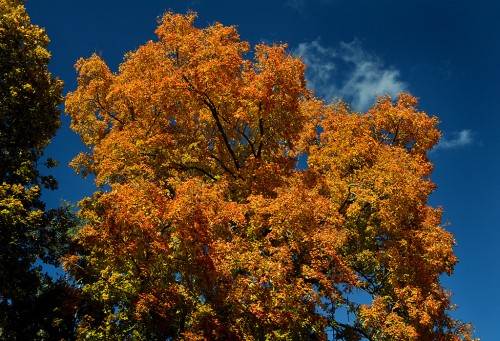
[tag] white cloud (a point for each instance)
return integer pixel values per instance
(368, 79)
(458, 140)
(348, 72)
(297, 5)
(320, 66)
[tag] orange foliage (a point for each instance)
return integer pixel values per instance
(209, 230)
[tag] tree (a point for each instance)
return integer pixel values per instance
(30, 301)
(206, 229)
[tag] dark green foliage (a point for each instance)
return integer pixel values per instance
(29, 95)
(33, 305)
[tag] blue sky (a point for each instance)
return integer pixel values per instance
(445, 52)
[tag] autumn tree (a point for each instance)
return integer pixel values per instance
(30, 301)
(206, 229)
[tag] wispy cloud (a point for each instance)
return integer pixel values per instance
(457, 140)
(348, 72)
(369, 78)
(321, 66)
(297, 5)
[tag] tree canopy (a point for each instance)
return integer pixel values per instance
(206, 227)
(30, 301)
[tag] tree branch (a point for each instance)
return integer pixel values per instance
(208, 102)
(349, 199)
(396, 133)
(223, 165)
(353, 328)
(250, 143)
(193, 167)
(261, 131)
(106, 110)
(156, 115)
(215, 115)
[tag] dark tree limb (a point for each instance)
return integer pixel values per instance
(213, 109)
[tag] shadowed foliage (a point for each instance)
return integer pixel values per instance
(33, 305)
